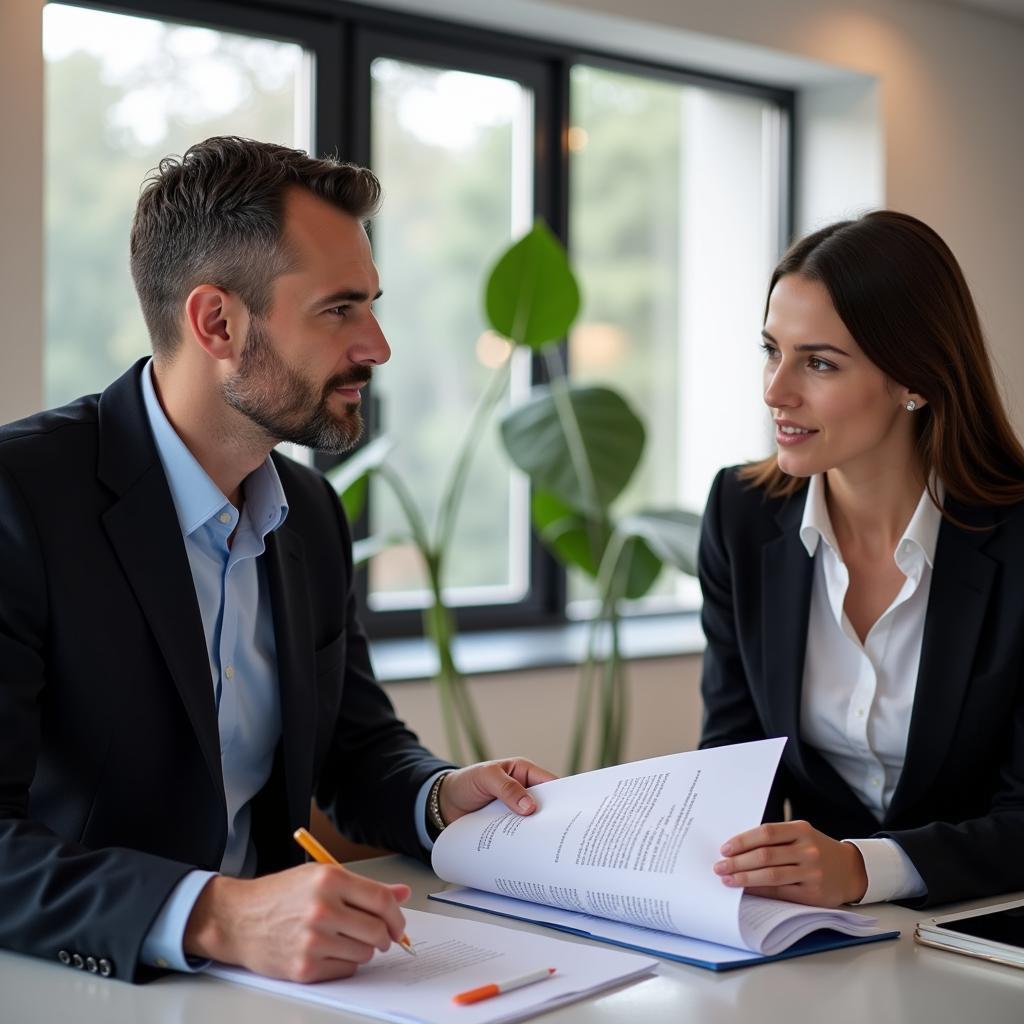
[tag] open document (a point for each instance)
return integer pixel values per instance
(625, 854)
(454, 955)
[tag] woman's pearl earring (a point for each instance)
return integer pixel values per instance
(910, 406)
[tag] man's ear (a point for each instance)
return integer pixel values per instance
(217, 320)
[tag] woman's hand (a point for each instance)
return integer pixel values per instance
(790, 860)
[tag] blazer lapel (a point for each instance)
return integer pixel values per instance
(957, 603)
(786, 576)
(146, 536)
(786, 585)
(296, 666)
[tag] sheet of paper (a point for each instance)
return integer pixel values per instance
(646, 939)
(775, 926)
(633, 843)
(771, 926)
(454, 955)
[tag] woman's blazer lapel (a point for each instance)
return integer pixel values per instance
(962, 580)
(787, 577)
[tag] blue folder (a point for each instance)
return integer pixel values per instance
(816, 942)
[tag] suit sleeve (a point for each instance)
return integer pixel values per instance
(375, 766)
(982, 856)
(56, 895)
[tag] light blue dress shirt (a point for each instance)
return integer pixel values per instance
(234, 603)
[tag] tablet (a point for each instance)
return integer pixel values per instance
(993, 933)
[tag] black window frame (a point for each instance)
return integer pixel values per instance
(344, 38)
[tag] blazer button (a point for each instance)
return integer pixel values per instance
(91, 965)
(64, 957)
(106, 967)
(78, 961)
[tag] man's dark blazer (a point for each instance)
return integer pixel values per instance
(110, 776)
(958, 810)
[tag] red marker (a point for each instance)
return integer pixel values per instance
(475, 995)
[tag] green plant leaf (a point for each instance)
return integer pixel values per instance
(531, 296)
(565, 532)
(353, 498)
(672, 534)
(612, 435)
(644, 568)
(349, 478)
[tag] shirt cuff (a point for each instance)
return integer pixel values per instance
(421, 809)
(891, 873)
(164, 943)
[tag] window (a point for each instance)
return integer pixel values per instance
(674, 229)
(671, 190)
(122, 92)
(454, 148)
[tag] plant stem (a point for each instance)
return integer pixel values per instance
(619, 584)
(458, 704)
(456, 708)
(594, 512)
(417, 525)
(583, 700)
(609, 574)
(451, 494)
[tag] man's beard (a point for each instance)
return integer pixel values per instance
(286, 405)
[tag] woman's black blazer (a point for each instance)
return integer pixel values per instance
(958, 810)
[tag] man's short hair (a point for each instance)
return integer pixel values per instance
(215, 216)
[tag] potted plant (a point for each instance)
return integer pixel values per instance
(580, 446)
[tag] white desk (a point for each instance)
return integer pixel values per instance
(888, 981)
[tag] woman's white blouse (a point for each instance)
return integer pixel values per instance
(857, 698)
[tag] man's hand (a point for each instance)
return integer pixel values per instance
(308, 923)
(469, 789)
(790, 860)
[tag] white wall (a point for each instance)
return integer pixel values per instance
(531, 714)
(946, 82)
(21, 207)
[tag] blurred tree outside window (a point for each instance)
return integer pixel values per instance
(122, 92)
(673, 231)
(454, 151)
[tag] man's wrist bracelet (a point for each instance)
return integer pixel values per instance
(434, 816)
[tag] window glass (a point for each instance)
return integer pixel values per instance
(673, 232)
(454, 151)
(122, 92)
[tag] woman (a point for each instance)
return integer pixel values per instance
(864, 588)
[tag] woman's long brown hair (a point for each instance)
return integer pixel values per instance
(902, 296)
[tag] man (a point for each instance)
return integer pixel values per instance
(181, 667)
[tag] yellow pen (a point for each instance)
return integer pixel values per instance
(319, 853)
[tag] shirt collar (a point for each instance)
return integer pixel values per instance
(196, 497)
(920, 536)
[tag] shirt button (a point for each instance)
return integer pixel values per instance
(225, 517)
(161, 962)
(876, 781)
(229, 672)
(860, 712)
